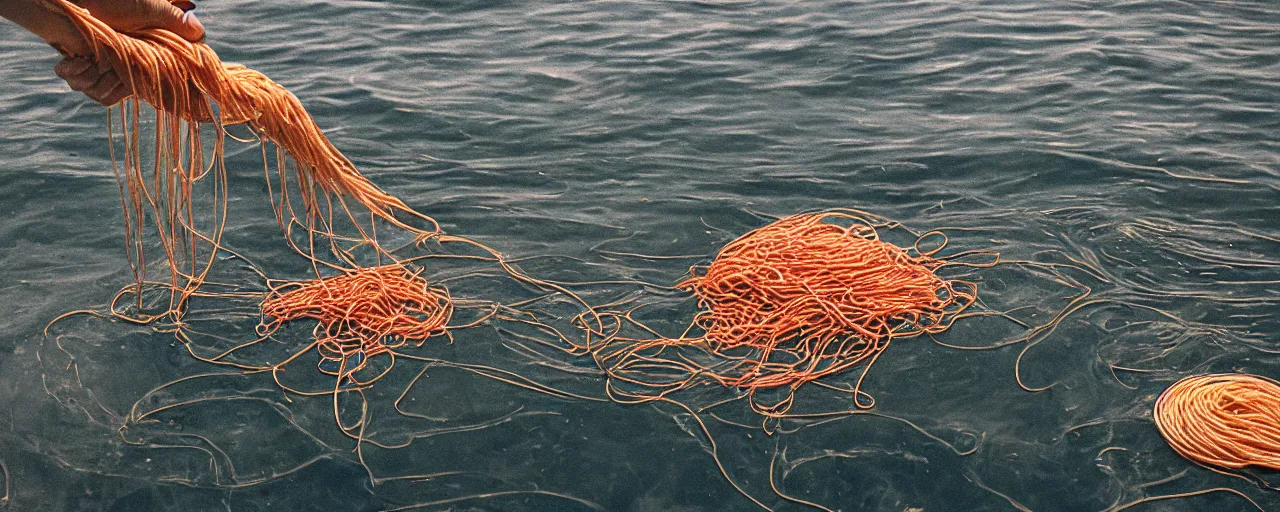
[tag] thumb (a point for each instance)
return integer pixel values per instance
(187, 26)
(135, 15)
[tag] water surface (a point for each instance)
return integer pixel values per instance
(1137, 139)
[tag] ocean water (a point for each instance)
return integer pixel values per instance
(1133, 142)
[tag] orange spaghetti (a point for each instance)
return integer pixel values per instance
(187, 79)
(800, 299)
(1228, 420)
(361, 312)
(189, 84)
(363, 308)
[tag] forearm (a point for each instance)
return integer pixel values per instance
(54, 28)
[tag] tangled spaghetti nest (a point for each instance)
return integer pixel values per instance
(816, 298)
(361, 313)
(1228, 420)
(800, 299)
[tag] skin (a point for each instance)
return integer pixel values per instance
(99, 79)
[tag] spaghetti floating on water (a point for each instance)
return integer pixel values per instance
(1228, 420)
(361, 313)
(805, 297)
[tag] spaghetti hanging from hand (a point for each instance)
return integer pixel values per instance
(188, 79)
(189, 85)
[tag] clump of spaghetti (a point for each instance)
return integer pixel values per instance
(361, 313)
(1229, 420)
(800, 299)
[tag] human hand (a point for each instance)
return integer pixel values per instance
(100, 79)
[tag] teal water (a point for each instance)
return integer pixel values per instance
(1137, 139)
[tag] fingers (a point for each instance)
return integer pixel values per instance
(108, 91)
(188, 26)
(101, 80)
(134, 15)
(100, 84)
(80, 73)
(71, 68)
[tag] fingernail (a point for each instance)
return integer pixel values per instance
(184, 5)
(194, 29)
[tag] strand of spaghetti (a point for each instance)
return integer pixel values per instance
(160, 63)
